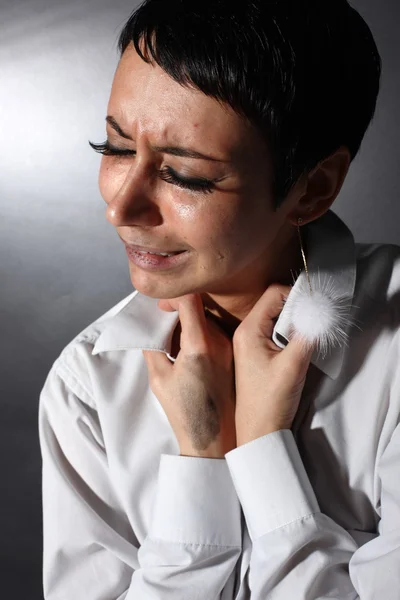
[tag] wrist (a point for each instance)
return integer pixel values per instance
(213, 451)
(216, 449)
(245, 438)
(191, 452)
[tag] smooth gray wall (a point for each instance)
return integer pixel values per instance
(61, 264)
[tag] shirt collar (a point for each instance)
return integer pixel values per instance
(330, 250)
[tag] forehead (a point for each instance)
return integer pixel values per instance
(145, 99)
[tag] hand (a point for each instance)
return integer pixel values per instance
(197, 391)
(269, 380)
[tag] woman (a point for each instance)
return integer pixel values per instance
(212, 436)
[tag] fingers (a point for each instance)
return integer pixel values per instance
(299, 350)
(168, 305)
(158, 365)
(261, 318)
(193, 321)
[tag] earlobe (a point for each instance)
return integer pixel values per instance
(305, 214)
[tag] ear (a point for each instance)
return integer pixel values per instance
(317, 190)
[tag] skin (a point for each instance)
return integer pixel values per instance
(197, 392)
(238, 244)
(259, 397)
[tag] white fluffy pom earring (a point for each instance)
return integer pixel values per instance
(319, 313)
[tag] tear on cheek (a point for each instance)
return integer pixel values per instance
(186, 212)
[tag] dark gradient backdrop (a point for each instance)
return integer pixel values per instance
(61, 264)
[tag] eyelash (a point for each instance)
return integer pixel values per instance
(167, 174)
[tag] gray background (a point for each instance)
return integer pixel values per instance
(61, 264)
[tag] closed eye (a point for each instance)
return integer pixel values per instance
(109, 150)
(198, 184)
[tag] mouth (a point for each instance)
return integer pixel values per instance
(152, 259)
(152, 251)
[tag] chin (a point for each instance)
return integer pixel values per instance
(159, 286)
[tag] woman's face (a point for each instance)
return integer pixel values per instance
(229, 232)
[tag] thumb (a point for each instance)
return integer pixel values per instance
(158, 365)
(168, 305)
(300, 350)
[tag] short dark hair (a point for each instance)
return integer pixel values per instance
(306, 73)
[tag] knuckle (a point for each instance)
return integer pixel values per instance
(196, 359)
(241, 336)
(199, 346)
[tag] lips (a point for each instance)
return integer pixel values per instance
(150, 261)
(157, 253)
(152, 250)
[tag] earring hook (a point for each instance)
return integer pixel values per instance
(299, 222)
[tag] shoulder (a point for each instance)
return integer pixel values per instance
(74, 365)
(91, 333)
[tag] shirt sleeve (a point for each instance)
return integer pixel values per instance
(90, 551)
(300, 553)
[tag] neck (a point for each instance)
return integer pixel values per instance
(230, 309)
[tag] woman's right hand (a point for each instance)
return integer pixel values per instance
(197, 392)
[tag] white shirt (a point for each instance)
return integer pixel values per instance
(302, 514)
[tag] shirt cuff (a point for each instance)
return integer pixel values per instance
(271, 482)
(196, 502)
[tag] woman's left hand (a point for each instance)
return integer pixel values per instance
(269, 380)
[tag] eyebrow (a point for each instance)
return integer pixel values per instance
(174, 150)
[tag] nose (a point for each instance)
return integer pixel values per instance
(135, 201)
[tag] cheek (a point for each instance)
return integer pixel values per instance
(242, 235)
(252, 224)
(219, 228)
(193, 220)
(236, 224)
(205, 224)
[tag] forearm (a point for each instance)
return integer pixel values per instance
(194, 539)
(297, 551)
(90, 550)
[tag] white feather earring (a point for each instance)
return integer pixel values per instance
(319, 314)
